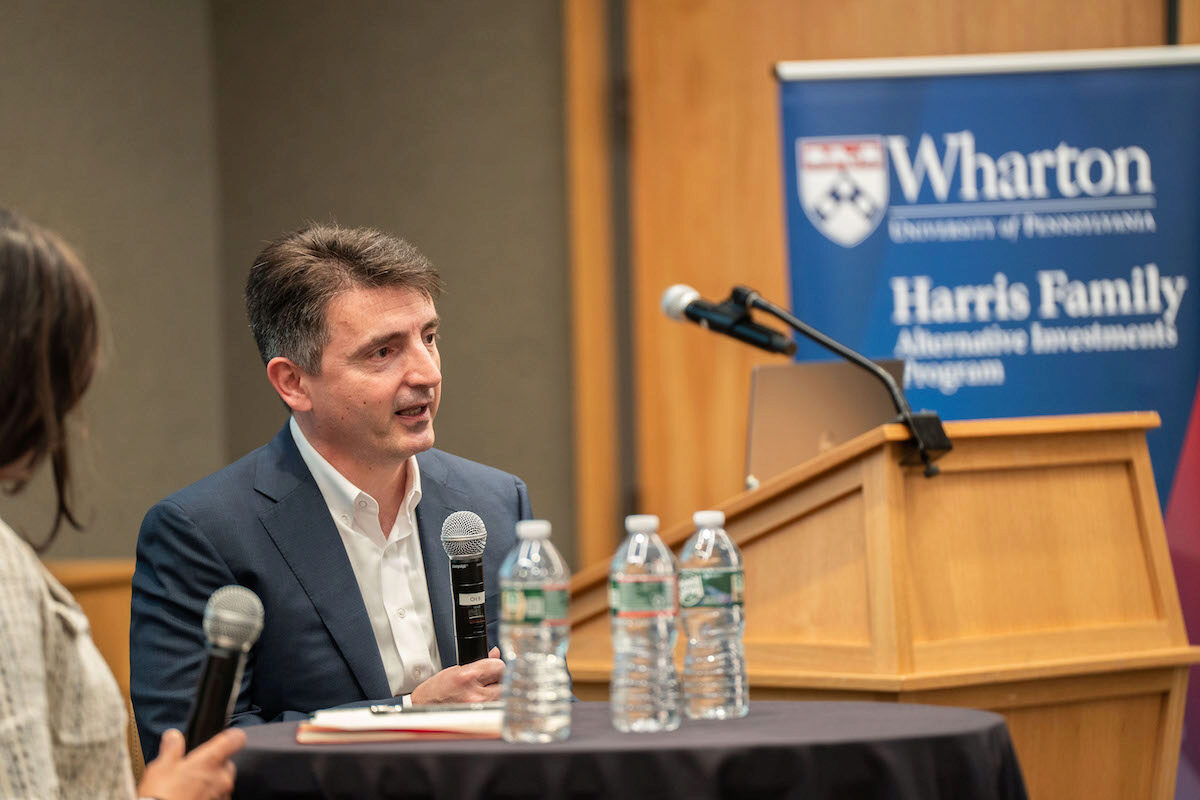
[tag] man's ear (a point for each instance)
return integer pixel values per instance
(290, 382)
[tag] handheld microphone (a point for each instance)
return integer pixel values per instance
(233, 619)
(681, 302)
(463, 538)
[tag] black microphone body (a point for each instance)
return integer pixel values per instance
(683, 302)
(464, 538)
(215, 694)
(717, 318)
(233, 620)
(470, 619)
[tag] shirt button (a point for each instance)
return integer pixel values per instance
(400, 612)
(419, 672)
(346, 518)
(362, 503)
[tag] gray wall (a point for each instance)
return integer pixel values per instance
(439, 122)
(107, 135)
(169, 141)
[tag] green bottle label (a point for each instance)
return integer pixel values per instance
(642, 596)
(523, 605)
(715, 587)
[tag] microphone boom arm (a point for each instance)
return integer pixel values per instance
(925, 426)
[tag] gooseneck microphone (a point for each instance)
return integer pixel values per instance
(732, 318)
(682, 302)
(233, 619)
(925, 426)
(463, 538)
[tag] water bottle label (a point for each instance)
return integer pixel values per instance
(710, 588)
(642, 596)
(547, 604)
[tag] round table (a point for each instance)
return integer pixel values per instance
(842, 750)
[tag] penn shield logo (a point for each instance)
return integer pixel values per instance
(843, 183)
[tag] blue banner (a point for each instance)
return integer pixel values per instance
(1028, 243)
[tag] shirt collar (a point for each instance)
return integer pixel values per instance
(339, 493)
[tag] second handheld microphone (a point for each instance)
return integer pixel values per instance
(233, 619)
(463, 538)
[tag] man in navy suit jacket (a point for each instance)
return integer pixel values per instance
(336, 522)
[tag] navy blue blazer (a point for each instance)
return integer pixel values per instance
(262, 523)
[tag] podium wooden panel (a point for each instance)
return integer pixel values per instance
(1031, 577)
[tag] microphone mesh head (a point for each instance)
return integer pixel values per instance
(463, 535)
(676, 298)
(233, 618)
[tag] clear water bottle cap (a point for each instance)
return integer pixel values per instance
(533, 529)
(641, 523)
(709, 519)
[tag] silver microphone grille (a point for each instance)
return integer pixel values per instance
(463, 535)
(233, 618)
(676, 299)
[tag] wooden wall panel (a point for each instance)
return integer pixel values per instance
(1189, 21)
(590, 201)
(706, 188)
(103, 588)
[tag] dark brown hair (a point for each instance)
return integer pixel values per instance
(294, 278)
(49, 346)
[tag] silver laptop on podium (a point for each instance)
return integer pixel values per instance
(800, 410)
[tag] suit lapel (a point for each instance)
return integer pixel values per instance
(300, 525)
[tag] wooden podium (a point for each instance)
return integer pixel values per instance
(1031, 577)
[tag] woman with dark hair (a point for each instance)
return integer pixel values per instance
(62, 717)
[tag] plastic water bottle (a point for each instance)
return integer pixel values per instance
(710, 600)
(534, 631)
(644, 691)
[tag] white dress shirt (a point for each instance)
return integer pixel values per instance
(388, 568)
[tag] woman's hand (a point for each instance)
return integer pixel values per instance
(206, 773)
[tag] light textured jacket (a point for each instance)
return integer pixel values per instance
(62, 717)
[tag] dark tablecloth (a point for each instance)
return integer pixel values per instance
(841, 751)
